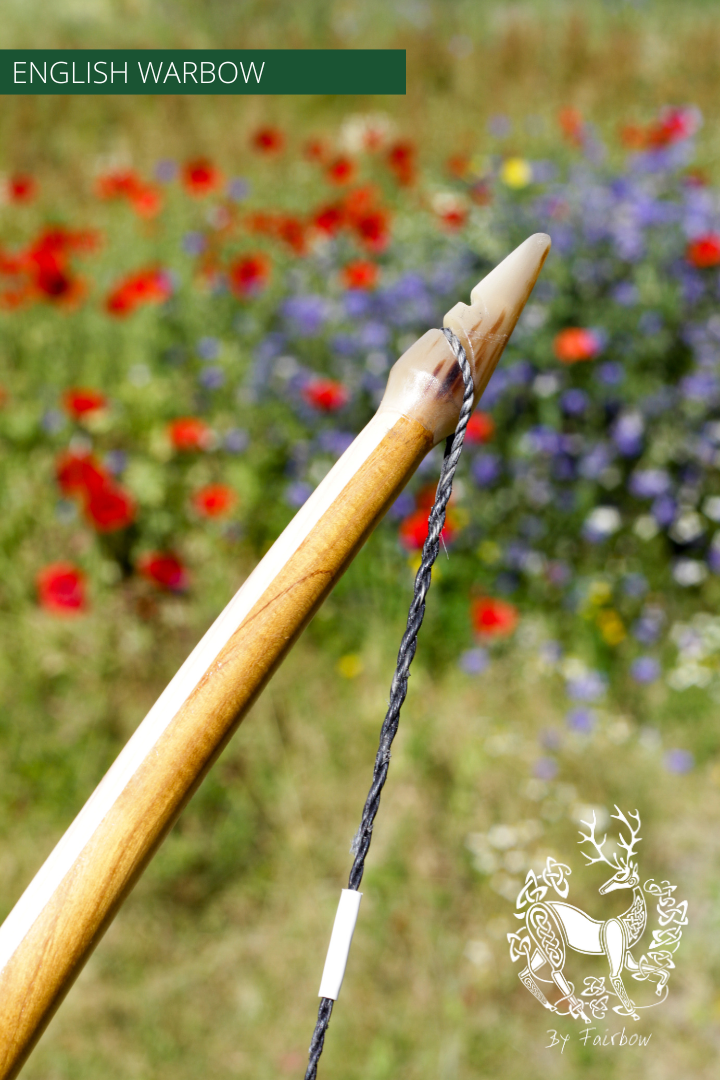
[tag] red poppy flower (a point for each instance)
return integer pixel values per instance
(268, 140)
(214, 500)
(117, 184)
(674, 125)
(150, 286)
(147, 202)
(454, 216)
(60, 241)
(164, 569)
(341, 170)
(200, 177)
(286, 227)
(49, 268)
(44, 270)
(401, 160)
(189, 433)
(704, 252)
(414, 528)
(293, 232)
(330, 219)
(360, 200)
(360, 274)
(120, 184)
(145, 199)
(79, 474)
(480, 429)
(373, 229)
(493, 618)
(53, 280)
(110, 508)
(61, 589)
(21, 188)
(120, 301)
(248, 275)
(575, 344)
(79, 401)
(3, 396)
(571, 124)
(325, 395)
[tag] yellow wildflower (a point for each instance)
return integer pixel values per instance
(349, 666)
(611, 626)
(516, 172)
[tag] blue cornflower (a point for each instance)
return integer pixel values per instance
(645, 669)
(679, 761)
(474, 661)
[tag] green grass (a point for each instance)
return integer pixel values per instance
(212, 967)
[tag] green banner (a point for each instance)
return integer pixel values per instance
(202, 71)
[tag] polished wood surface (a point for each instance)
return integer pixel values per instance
(79, 909)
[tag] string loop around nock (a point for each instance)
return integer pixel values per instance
(398, 690)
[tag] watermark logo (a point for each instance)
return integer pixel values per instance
(554, 928)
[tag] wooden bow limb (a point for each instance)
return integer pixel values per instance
(65, 910)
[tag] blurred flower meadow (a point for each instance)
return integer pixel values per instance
(260, 336)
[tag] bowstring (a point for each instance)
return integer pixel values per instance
(408, 645)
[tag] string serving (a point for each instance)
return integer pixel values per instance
(408, 645)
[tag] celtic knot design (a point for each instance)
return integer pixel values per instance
(551, 946)
(635, 918)
(556, 874)
(555, 927)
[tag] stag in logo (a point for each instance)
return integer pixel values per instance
(554, 928)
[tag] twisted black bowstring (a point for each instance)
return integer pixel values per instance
(408, 645)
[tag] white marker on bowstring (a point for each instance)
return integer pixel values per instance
(339, 947)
